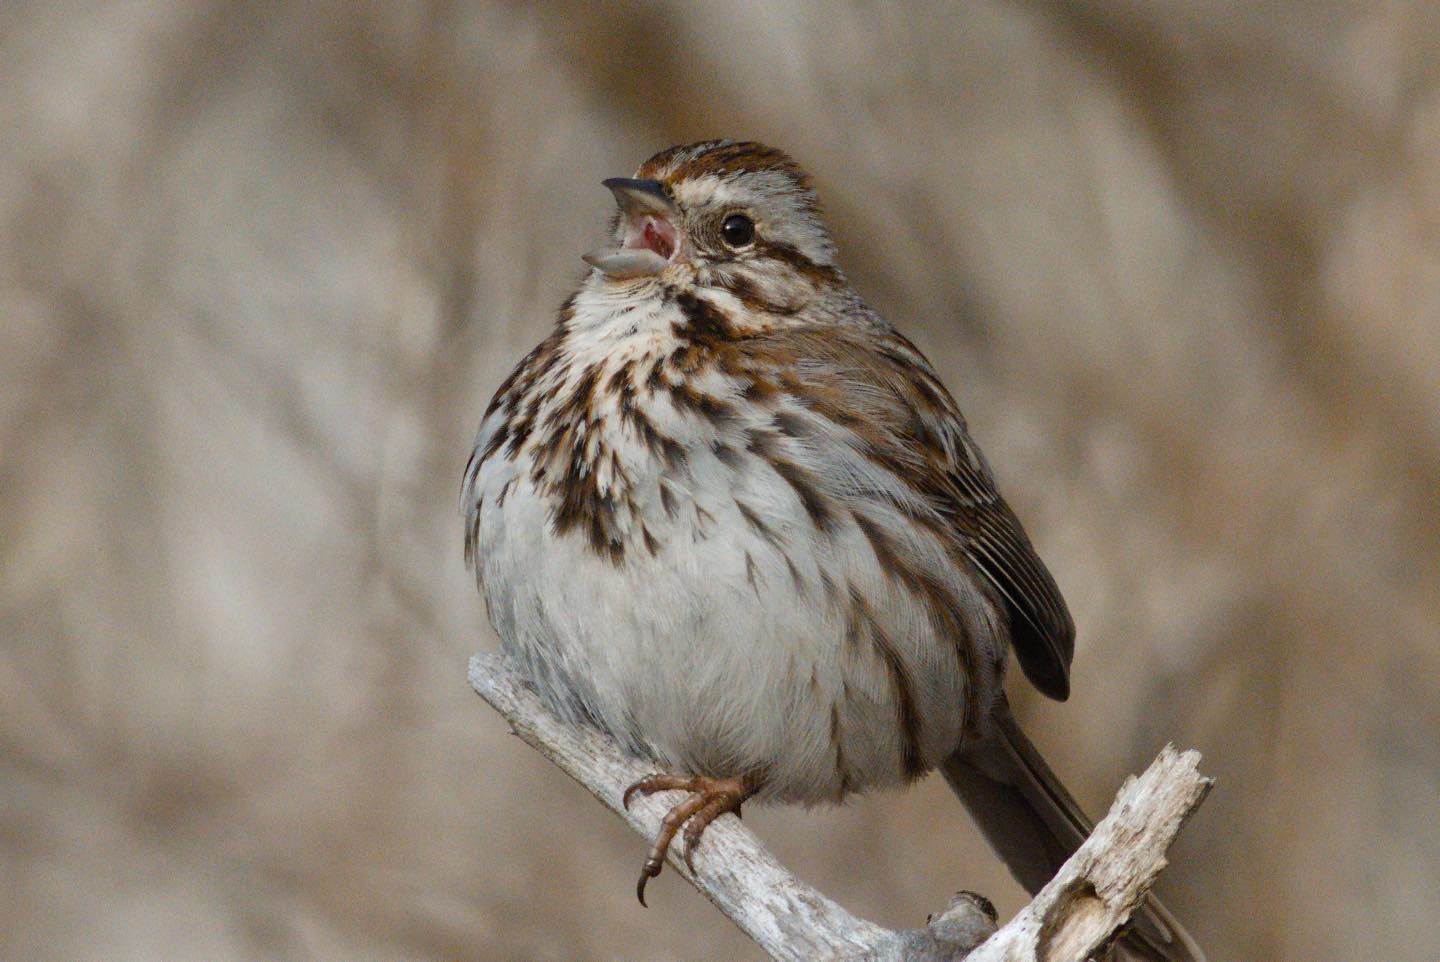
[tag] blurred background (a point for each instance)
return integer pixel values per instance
(262, 265)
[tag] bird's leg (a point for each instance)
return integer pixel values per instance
(709, 798)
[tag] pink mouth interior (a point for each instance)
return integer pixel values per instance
(652, 233)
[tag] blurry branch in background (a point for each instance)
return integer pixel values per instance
(1091, 896)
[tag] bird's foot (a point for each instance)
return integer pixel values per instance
(708, 799)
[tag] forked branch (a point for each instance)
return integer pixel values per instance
(1091, 896)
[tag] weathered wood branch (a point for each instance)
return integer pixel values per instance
(1089, 898)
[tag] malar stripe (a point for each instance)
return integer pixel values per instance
(703, 320)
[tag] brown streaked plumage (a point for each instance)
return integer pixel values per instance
(729, 515)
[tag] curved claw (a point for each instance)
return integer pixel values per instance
(709, 798)
(649, 870)
(690, 852)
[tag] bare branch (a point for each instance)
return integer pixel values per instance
(1092, 895)
(789, 919)
(1094, 892)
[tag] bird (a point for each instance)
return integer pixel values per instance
(730, 516)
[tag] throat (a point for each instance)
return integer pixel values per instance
(599, 445)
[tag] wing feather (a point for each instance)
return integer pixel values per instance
(910, 419)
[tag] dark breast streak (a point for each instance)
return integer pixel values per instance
(563, 446)
(902, 436)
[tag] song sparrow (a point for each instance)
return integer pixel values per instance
(727, 514)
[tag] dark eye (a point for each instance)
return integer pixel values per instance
(738, 230)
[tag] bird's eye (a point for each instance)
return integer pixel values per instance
(738, 230)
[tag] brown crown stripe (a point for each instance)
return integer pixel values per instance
(861, 619)
(657, 164)
(743, 156)
(720, 157)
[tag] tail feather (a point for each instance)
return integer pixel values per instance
(1034, 825)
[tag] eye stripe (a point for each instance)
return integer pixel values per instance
(797, 259)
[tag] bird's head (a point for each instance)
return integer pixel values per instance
(727, 215)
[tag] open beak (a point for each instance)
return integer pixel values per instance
(651, 237)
